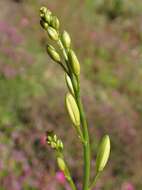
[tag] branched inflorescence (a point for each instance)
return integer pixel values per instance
(69, 62)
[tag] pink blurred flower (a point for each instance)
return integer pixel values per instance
(24, 22)
(60, 177)
(43, 140)
(128, 186)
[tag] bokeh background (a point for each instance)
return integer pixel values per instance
(107, 37)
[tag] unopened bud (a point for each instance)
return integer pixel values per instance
(74, 62)
(66, 40)
(61, 164)
(103, 153)
(44, 24)
(55, 22)
(53, 53)
(53, 34)
(72, 109)
(43, 10)
(48, 16)
(69, 84)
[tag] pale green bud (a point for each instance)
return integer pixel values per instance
(72, 109)
(48, 16)
(53, 53)
(74, 62)
(61, 164)
(55, 22)
(69, 84)
(60, 144)
(53, 34)
(66, 40)
(44, 24)
(103, 153)
(43, 10)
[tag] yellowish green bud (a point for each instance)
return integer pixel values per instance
(53, 53)
(53, 34)
(74, 62)
(69, 84)
(66, 40)
(55, 22)
(48, 16)
(43, 10)
(44, 24)
(72, 109)
(103, 153)
(61, 164)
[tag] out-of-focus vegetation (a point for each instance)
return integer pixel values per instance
(107, 36)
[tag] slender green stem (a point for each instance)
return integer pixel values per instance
(86, 145)
(70, 181)
(94, 182)
(69, 178)
(67, 172)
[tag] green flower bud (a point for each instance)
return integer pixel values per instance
(43, 10)
(72, 109)
(103, 153)
(48, 16)
(43, 24)
(74, 62)
(60, 145)
(53, 34)
(61, 164)
(55, 22)
(66, 40)
(69, 84)
(53, 53)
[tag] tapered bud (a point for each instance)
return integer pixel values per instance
(55, 22)
(48, 16)
(74, 62)
(103, 153)
(61, 164)
(72, 109)
(44, 24)
(69, 84)
(53, 34)
(66, 40)
(53, 53)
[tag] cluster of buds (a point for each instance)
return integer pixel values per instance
(54, 141)
(51, 24)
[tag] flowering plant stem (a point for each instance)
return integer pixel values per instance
(86, 142)
(68, 60)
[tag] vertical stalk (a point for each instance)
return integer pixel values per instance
(86, 145)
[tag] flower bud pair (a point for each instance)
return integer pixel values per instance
(53, 34)
(53, 53)
(55, 22)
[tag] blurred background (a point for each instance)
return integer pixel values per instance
(107, 37)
